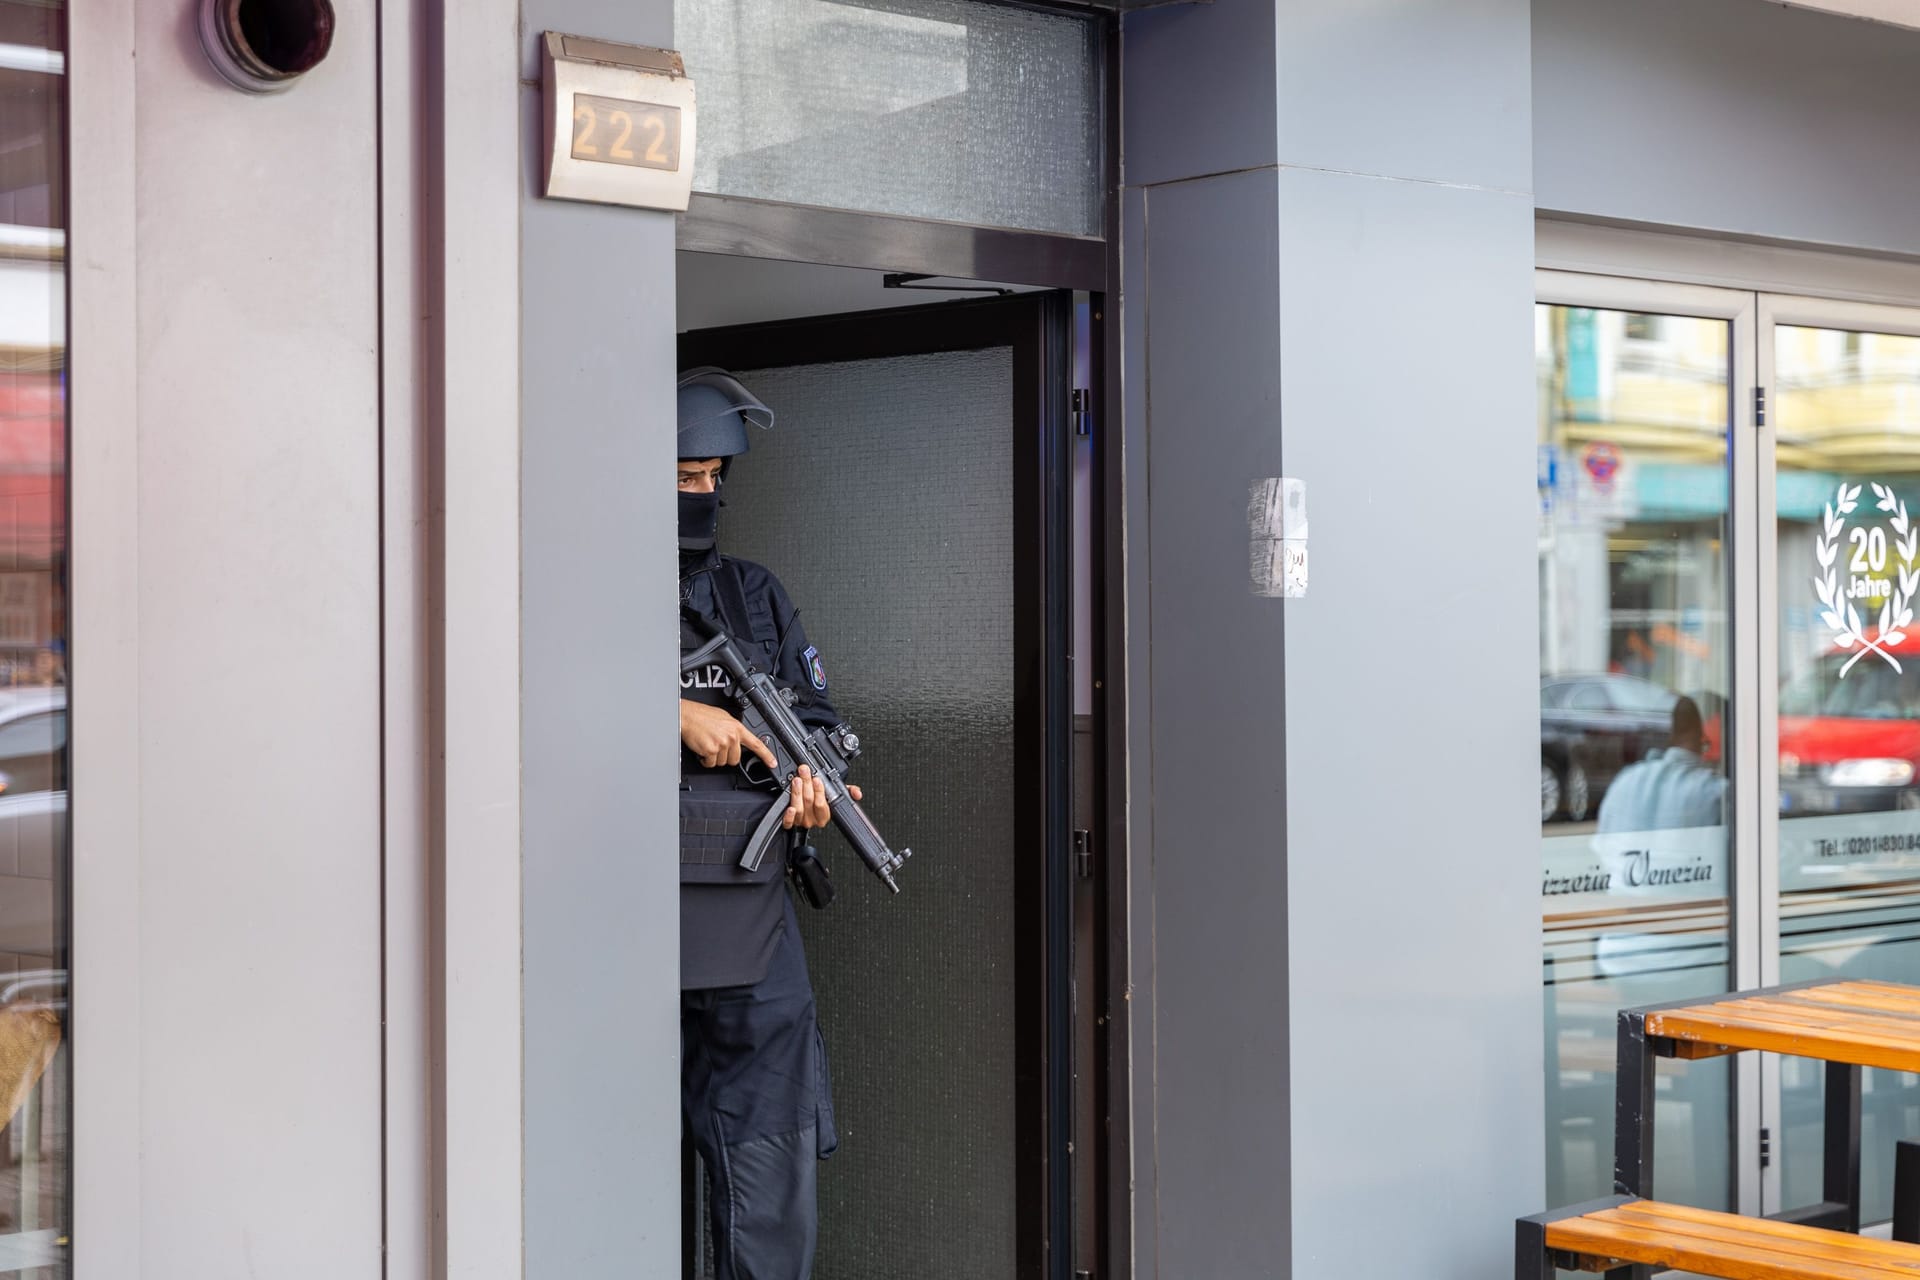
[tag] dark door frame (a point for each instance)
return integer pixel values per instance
(1091, 264)
(1037, 328)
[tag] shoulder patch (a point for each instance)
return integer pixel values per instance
(815, 671)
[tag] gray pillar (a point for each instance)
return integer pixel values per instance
(1336, 938)
(1406, 274)
(599, 637)
(1201, 307)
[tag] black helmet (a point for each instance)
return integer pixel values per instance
(714, 410)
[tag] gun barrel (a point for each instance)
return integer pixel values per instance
(867, 840)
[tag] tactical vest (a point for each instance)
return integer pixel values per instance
(729, 918)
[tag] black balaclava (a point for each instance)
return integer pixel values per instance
(699, 520)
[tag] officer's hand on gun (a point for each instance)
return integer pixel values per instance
(716, 737)
(807, 807)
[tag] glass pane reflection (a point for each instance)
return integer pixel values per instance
(1847, 431)
(34, 1077)
(1635, 673)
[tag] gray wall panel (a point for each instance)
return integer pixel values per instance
(1199, 90)
(1728, 115)
(253, 612)
(1369, 88)
(1220, 995)
(1411, 707)
(600, 911)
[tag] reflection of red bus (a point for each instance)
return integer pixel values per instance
(33, 465)
(33, 514)
(1850, 744)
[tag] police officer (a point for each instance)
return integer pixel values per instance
(753, 1076)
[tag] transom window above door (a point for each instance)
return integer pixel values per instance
(947, 109)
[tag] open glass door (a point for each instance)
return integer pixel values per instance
(1841, 467)
(913, 497)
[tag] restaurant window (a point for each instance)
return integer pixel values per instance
(35, 1205)
(1632, 535)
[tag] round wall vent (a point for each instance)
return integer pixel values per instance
(263, 46)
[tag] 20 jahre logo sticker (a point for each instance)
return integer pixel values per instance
(1866, 584)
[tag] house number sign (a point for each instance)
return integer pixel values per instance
(619, 123)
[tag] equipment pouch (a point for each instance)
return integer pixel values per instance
(714, 827)
(810, 878)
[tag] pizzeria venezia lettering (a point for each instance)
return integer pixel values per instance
(1636, 872)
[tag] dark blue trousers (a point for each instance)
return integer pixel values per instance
(757, 1100)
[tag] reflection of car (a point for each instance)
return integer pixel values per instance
(33, 820)
(33, 739)
(1850, 745)
(1592, 727)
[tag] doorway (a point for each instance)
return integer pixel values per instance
(1728, 484)
(914, 498)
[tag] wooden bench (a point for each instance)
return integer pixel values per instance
(1624, 1232)
(1848, 1024)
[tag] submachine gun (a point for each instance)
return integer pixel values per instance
(767, 711)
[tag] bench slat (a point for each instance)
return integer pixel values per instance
(1729, 1246)
(1809, 1242)
(1852, 996)
(1885, 1030)
(1685, 1253)
(1892, 1022)
(1894, 1026)
(1794, 1039)
(1890, 990)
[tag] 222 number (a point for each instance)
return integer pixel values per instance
(586, 120)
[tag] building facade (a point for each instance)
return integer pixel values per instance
(339, 942)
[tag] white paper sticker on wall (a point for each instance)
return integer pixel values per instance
(1277, 537)
(1293, 580)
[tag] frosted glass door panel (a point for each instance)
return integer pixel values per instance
(883, 499)
(946, 109)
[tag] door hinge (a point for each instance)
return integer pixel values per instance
(1083, 853)
(1759, 406)
(1082, 404)
(1766, 1148)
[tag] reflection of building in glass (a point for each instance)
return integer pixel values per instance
(1633, 496)
(1846, 406)
(34, 1076)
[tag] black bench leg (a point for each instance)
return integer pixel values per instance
(1633, 1108)
(1906, 1191)
(1530, 1260)
(1840, 1178)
